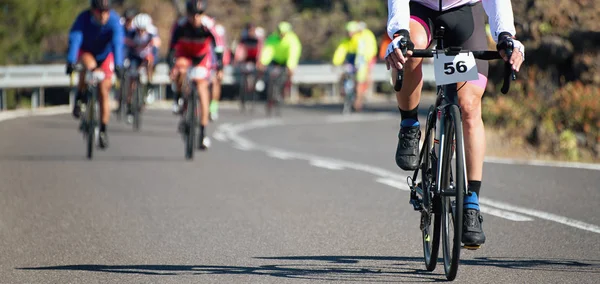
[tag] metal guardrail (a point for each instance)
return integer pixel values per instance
(44, 76)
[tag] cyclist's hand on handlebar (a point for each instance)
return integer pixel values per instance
(398, 49)
(506, 42)
(69, 68)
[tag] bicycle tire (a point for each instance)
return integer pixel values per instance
(452, 210)
(430, 234)
(349, 97)
(243, 93)
(137, 105)
(91, 125)
(123, 98)
(251, 92)
(191, 120)
(270, 91)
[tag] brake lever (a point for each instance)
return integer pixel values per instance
(400, 76)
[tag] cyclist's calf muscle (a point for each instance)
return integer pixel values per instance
(410, 94)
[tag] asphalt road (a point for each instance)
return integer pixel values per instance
(310, 197)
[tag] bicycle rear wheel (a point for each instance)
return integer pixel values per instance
(453, 189)
(136, 105)
(122, 110)
(430, 231)
(91, 124)
(191, 121)
(350, 93)
(243, 92)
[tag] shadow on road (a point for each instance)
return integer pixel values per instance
(82, 158)
(338, 268)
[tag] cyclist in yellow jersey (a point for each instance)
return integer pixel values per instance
(370, 42)
(282, 48)
(352, 50)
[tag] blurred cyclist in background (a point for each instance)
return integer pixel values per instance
(352, 51)
(250, 44)
(370, 42)
(96, 41)
(282, 48)
(141, 51)
(217, 79)
(191, 46)
(128, 29)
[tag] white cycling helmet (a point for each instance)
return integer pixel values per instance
(142, 21)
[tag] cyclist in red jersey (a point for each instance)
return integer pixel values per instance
(250, 45)
(191, 45)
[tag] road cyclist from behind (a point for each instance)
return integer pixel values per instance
(412, 22)
(245, 59)
(192, 46)
(141, 52)
(96, 41)
(352, 52)
(281, 51)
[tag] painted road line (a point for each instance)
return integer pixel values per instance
(485, 209)
(234, 134)
(325, 164)
(542, 215)
(279, 155)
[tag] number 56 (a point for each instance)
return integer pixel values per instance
(460, 67)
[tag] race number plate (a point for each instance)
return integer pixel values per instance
(450, 69)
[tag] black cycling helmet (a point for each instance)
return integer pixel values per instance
(100, 4)
(130, 13)
(196, 6)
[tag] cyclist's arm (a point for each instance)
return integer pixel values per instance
(398, 16)
(294, 52)
(117, 39)
(339, 56)
(500, 14)
(268, 51)
(218, 36)
(75, 39)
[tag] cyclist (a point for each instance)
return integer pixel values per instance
(352, 50)
(192, 44)
(96, 40)
(370, 42)
(128, 28)
(283, 49)
(464, 21)
(217, 79)
(142, 46)
(249, 47)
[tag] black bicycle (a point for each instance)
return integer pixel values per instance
(349, 87)
(247, 86)
(277, 76)
(190, 113)
(438, 194)
(89, 118)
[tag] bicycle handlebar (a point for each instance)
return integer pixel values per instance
(478, 54)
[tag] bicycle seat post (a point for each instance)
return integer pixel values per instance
(439, 37)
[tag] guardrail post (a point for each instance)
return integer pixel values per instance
(294, 93)
(2, 100)
(42, 97)
(34, 99)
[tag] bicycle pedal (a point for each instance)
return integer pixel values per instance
(472, 247)
(417, 204)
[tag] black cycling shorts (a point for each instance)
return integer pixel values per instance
(465, 27)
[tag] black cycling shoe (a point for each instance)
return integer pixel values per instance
(103, 140)
(472, 235)
(77, 109)
(407, 152)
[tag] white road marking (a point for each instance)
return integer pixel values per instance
(485, 209)
(220, 136)
(539, 163)
(233, 133)
(504, 214)
(326, 164)
(542, 215)
(279, 155)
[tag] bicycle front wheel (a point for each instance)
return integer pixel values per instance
(136, 107)
(430, 219)
(453, 188)
(191, 121)
(91, 126)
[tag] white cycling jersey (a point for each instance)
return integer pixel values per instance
(142, 47)
(499, 12)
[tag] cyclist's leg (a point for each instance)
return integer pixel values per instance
(361, 86)
(104, 99)
(216, 95)
(89, 63)
(178, 74)
(470, 34)
(407, 151)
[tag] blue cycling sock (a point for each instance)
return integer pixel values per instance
(471, 201)
(409, 122)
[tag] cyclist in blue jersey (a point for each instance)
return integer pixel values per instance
(96, 41)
